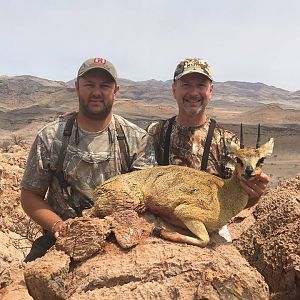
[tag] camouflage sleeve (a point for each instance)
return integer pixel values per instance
(36, 174)
(145, 155)
(155, 130)
(225, 160)
(152, 130)
(140, 145)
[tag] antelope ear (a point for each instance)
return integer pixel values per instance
(268, 147)
(231, 146)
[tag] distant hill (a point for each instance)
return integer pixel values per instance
(27, 102)
(245, 95)
(21, 91)
(242, 94)
(150, 91)
(273, 114)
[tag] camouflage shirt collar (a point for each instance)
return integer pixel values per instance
(193, 128)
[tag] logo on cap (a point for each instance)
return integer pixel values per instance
(192, 65)
(100, 60)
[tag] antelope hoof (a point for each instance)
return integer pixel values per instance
(157, 231)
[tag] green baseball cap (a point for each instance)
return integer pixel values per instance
(98, 63)
(192, 65)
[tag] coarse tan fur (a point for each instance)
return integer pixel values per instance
(182, 196)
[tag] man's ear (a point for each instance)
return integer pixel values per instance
(77, 86)
(210, 91)
(173, 88)
(117, 88)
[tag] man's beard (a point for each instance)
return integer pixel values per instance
(101, 115)
(194, 110)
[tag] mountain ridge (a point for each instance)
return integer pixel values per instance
(28, 102)
(28, 90)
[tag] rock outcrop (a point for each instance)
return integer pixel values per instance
(87, 236)
(154, 269)
(271, 244)
(16, 230)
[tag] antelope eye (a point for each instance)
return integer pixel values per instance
(239, 161)
(261, 161)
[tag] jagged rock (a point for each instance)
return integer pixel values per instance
(12, 216)
(45, 277)
(154, 269)
(11, 255)
(127, 227)
(241, 222)
(15, 228)
(85, 237)
(271, 245)
(17, 289)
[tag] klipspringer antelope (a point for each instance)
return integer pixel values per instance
(182, 196)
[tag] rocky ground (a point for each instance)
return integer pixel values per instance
(262, 263)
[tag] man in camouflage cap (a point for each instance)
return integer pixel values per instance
(73, 155)
(182, 140)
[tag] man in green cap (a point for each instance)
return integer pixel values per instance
(73, 155)
(193, 139)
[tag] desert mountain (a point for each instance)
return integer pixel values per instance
(28, 102)
(19, 91)
(22, 91)
(251, 94)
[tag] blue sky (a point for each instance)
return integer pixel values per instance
(254, 41)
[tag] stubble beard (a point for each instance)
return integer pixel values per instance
(193, 111)
(100, 115)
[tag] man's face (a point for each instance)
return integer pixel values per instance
(96, 92)
(192, 93)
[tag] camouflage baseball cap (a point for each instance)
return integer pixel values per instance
(192, 65)
(98, 63)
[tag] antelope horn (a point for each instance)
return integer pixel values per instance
(242, 146)
(258, 137)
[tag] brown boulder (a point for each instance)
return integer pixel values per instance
(45, 277)
(87, 236)
(154, 269)
(271, 245)
(11, 256)
(17, 289)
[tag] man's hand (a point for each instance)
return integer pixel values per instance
(255, 187)
(59, 228)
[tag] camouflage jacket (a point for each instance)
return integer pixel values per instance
(91, 158)
(187, 145)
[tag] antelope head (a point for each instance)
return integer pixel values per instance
(249, 161)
